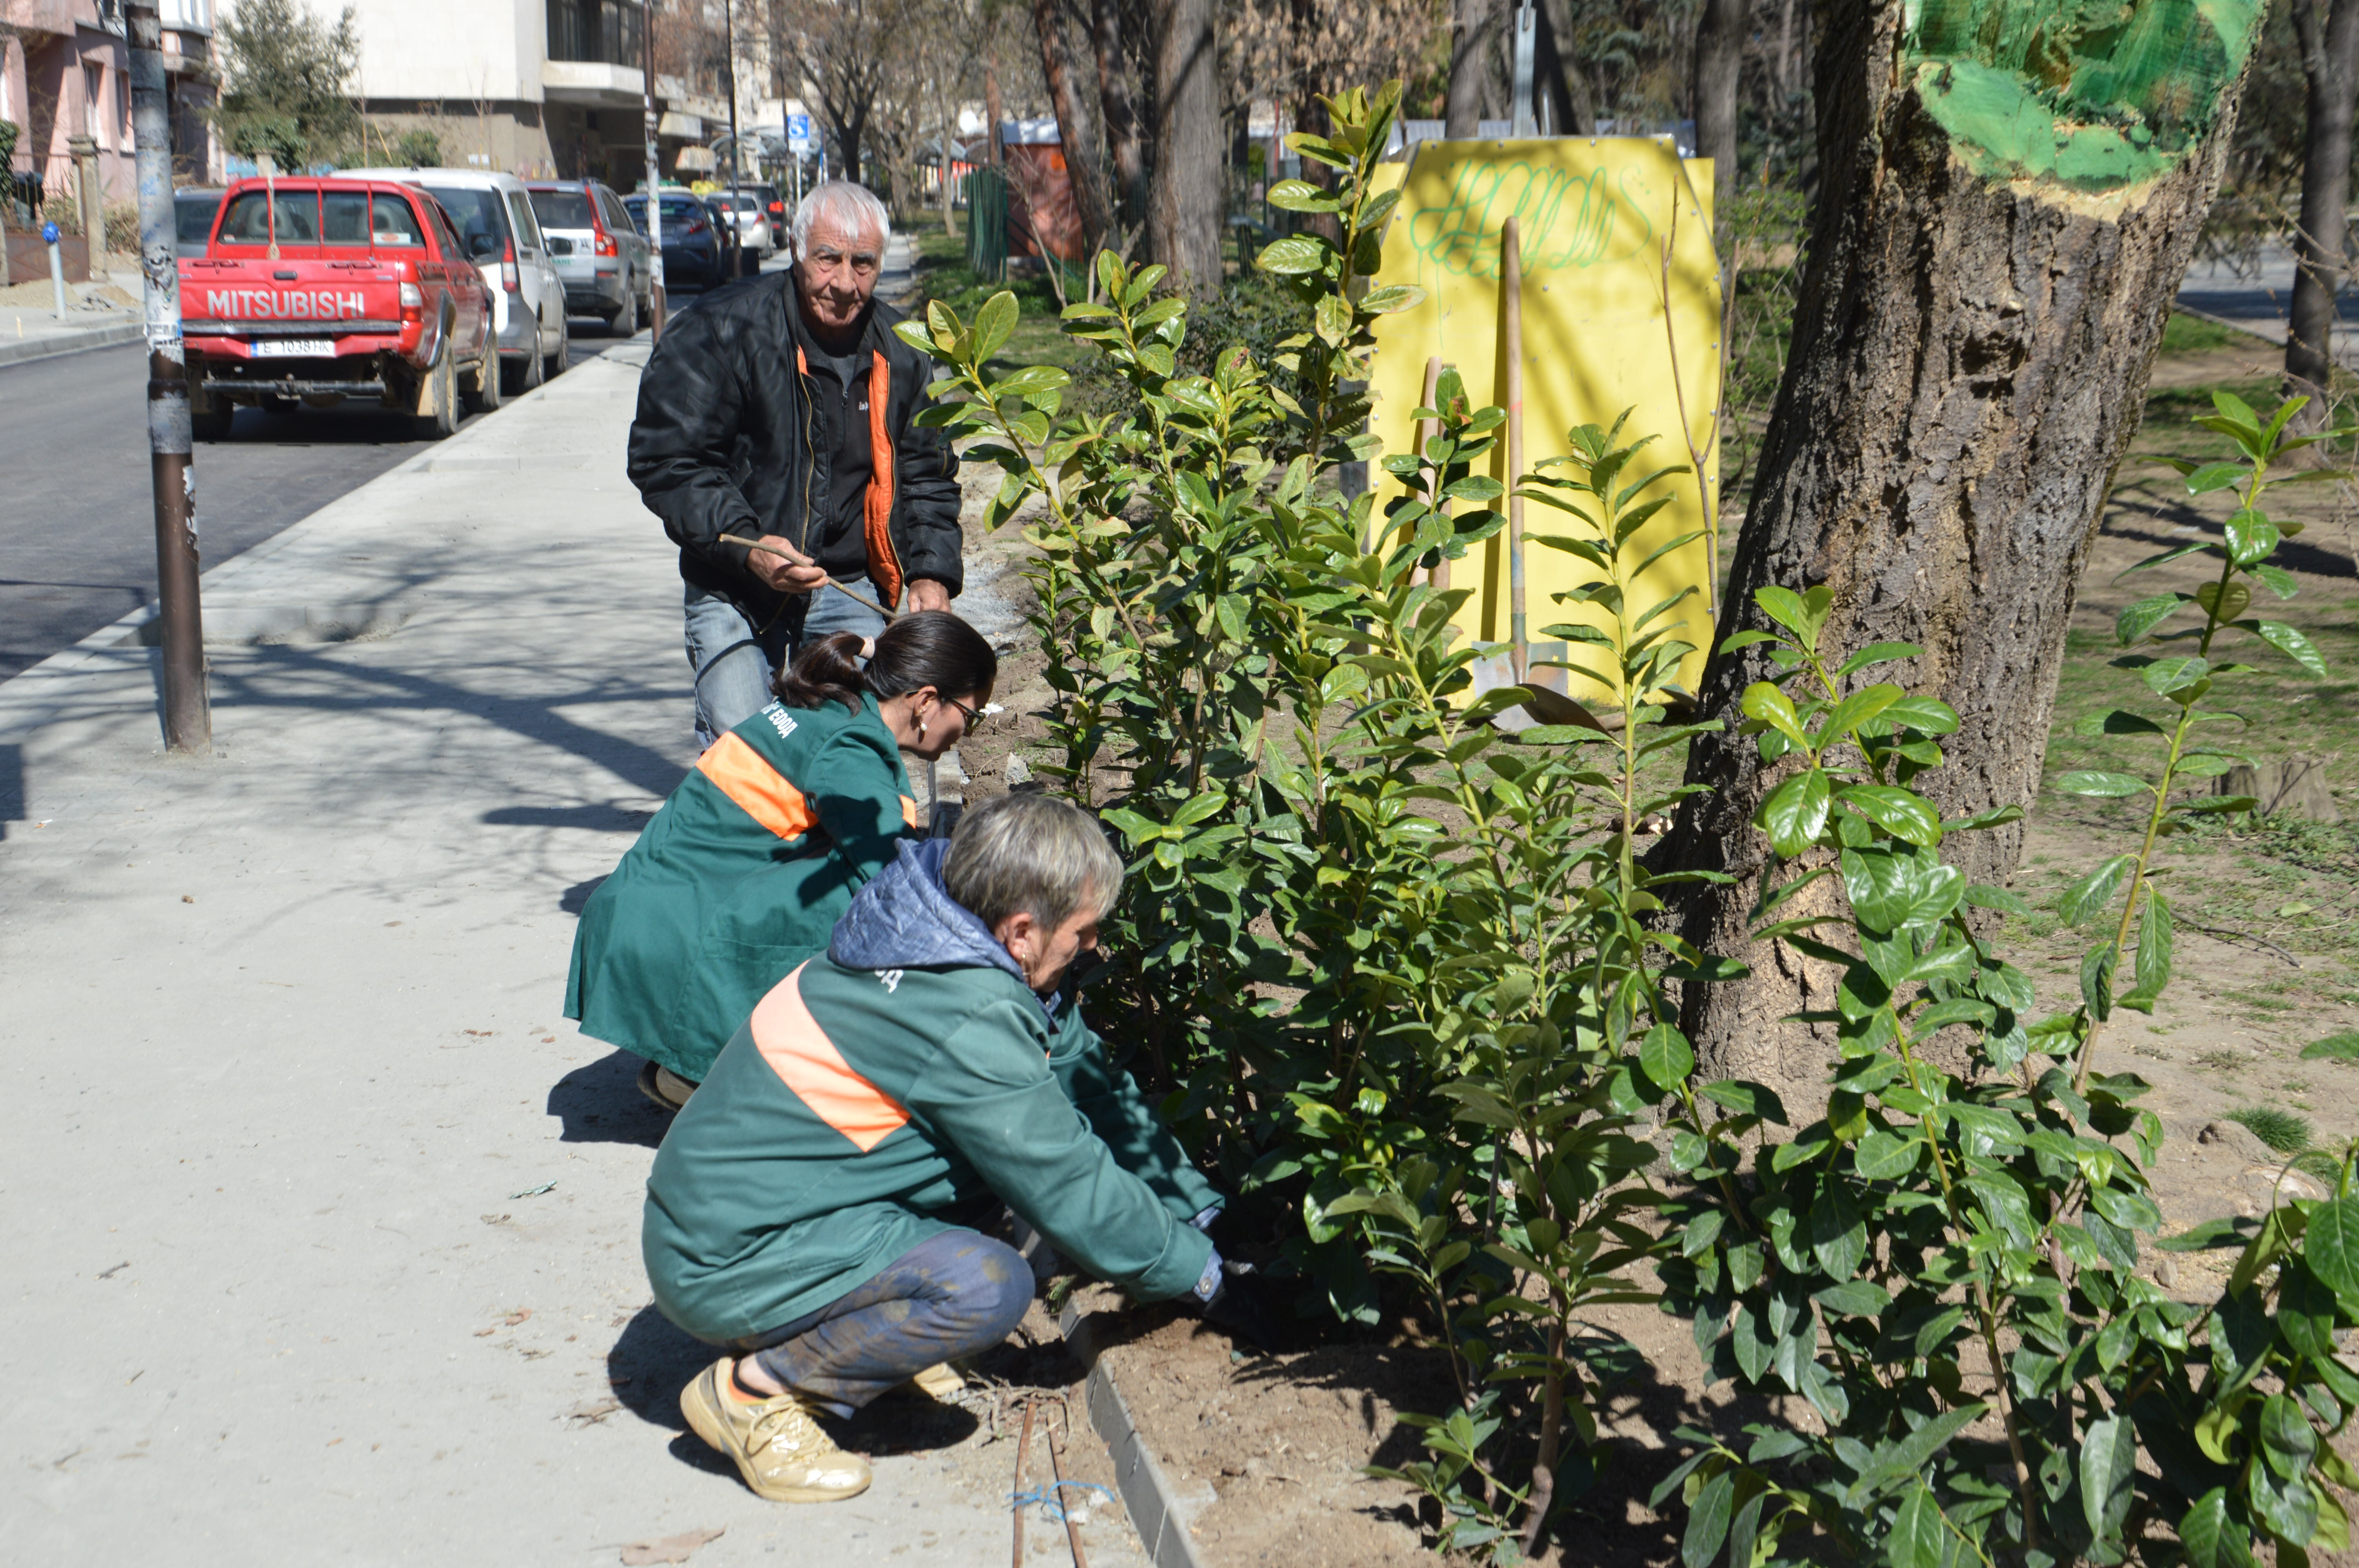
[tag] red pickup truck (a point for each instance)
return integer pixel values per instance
(311, 291)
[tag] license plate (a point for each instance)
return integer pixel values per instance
(294, 347)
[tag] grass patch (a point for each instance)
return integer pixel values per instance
(2185, 334)
(2341, 1046)
(2223, 1060)
(2280, 1129)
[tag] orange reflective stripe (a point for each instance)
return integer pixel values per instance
(908, 811)
(740, 773)
(884, 565)
(802, 1056)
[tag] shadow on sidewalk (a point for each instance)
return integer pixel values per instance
(602, 1104)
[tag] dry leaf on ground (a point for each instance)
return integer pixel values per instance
(670, 1549)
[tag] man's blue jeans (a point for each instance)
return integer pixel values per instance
(734, 661)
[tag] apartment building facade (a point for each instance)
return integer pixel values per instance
(65, 75)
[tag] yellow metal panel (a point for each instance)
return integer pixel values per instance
(1594, 215)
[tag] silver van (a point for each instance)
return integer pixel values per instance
(493, 213)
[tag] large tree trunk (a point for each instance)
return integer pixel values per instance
(1719, 61)
(1074, 131)
(1566, 85)
(1473, 39)
(1121, 129)
(2329, 64)
(1968, 362)
(1183, 221)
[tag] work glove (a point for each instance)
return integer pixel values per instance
(1228, 1295)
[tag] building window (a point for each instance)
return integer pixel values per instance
(598, 31)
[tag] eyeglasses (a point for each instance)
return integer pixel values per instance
(974, 719)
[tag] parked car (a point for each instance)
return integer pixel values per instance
(330, 289)
(493, 213)
(774, 207)
(607, 262)
(692, 247)
(752, 224)
(193, 213)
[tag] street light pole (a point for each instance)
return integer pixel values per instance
(729, 61)
(655, 172)
(188, 716)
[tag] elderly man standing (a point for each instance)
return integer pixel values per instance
(779, 411)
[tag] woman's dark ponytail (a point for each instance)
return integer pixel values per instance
(931, 648)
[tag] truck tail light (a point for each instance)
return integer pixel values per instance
(508, 279)
(605, 245)
(413, 299)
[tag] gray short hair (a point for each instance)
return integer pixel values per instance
(853, 205)
(1031, 854)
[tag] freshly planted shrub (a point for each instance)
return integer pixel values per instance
(1944, 1266)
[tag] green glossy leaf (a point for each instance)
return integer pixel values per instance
(2213, 1536)
(2112, 786)
(2252, 539)
(2086, 899)
(2108, 1468)
(1796, 813)
(993, 324)
(1666, 1057)
(1838, 1233)
(2136, 619)
(2293, 645)
(2329, 1245)
(1903, 812)
(1293, 255)
(2215, 476)
(1917, 1530)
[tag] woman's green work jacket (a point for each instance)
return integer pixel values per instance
(738, 879)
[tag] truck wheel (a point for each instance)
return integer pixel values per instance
(483, 384)
(563, 356)
(208, 412)
(438, 401)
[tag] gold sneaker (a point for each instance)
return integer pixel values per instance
(777, 1444)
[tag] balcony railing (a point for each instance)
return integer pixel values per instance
(604, 32)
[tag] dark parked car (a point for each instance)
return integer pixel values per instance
(691, 249)
(192, 219)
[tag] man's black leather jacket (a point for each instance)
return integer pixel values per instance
(723, 444)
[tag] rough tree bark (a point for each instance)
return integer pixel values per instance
(1122, 129)
(1473, 40)
(1719, 61)
(1970, 355)
(1184, 220)
(1074, 131)
(1569, 98)
(2329, 66)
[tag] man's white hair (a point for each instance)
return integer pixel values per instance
(854, 206)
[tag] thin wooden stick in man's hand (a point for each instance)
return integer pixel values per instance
(802, 560)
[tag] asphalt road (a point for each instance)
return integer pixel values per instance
(77, 504)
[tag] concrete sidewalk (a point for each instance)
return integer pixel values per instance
(322, 1223)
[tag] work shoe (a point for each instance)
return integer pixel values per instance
(664, 1087)
(939, 1382)
(778, 1444)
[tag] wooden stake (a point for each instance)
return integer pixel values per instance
(1511, 309)
(1426, 431)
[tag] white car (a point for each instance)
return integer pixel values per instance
(493, 213)
(746, 211)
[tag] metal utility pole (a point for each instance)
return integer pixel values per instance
(729, 64)
(654, 174)
(188, 716)
(1526, 34)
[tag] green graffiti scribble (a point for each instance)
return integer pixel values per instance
(1567, 220)
(2093, 94)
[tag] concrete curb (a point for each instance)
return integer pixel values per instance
(1147, 1492)
(79, 341)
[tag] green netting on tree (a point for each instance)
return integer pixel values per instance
(2093, 94)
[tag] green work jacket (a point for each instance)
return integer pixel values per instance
(908, 1083)
(739, 878)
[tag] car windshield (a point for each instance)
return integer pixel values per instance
(474, 214)
(563, 209)
(248, 222)
(194, 217)
(674, 208)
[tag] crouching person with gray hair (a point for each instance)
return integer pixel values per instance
(819, 1207)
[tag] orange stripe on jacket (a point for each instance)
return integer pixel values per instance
(884, 565)
(740, 773)
(799, 1052)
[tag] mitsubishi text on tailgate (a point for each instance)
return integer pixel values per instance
(313, 291)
